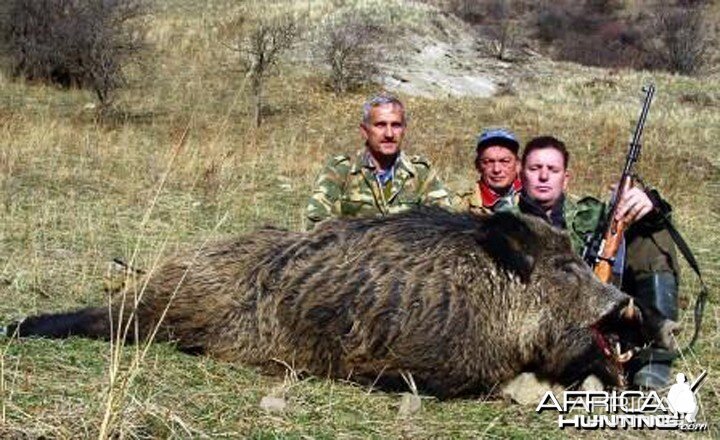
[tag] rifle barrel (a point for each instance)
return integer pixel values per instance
(637, 134)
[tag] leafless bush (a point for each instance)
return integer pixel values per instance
(471, 11)
(260, 39)
(611, 43)
(591, 33)
(80, 43)
(551, 22)
(499, 21)
(682, 42)
(348, 45)
(678, 36)
(503, 27)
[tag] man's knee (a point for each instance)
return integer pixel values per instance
(649, 253)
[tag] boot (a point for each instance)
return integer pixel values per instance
(659, 290)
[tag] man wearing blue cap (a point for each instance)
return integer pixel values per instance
(650, 264)
(497, 162)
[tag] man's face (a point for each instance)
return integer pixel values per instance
(385, 130)
(498, 167)
(544, 176)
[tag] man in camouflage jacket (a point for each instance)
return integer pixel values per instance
(380, 179)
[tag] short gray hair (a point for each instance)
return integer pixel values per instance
(378, 100)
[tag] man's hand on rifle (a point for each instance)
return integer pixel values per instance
(633, 206)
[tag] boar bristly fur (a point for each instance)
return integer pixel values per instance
(460, 302)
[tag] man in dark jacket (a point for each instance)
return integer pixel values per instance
(649, 262)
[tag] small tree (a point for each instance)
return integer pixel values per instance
(348, 46)
(683, 42)
(497, 20)
(80, 43)
(471, 11)
(503, 28)
(260, 40)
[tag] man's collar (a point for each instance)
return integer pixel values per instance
(363, 161)
(490, 197)
(403, 162)
(557, 214)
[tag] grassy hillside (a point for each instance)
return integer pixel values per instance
(75, 193)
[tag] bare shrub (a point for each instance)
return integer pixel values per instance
(471, 11)
(504, 27)
(682, 42)
(604, 6)
(678, 36)
(348, 45)
(593, 33)
(551, 22)
(260, 39)
(73, 43)
(499, 21)
(611, 43)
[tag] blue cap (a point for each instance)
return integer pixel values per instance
(497, 136)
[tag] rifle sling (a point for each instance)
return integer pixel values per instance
(682, 245)
(690, 258)
(655, 355)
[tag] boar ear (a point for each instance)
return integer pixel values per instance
(510, 242)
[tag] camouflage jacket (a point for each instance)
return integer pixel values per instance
(582, 217)
(473, 201)
(348, 187)
(647, 244)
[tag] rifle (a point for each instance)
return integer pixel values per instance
(602, 247)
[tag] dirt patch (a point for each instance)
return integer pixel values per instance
(457, 67)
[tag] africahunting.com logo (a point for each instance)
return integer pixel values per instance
(628, 409)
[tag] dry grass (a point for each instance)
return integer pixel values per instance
(75, 193)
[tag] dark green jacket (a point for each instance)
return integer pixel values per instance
(581, 217)
(650, 248)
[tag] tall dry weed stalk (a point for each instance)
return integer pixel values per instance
(120, 379)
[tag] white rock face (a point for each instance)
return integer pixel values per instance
(439, 69)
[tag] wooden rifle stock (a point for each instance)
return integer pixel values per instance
(611, 240)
